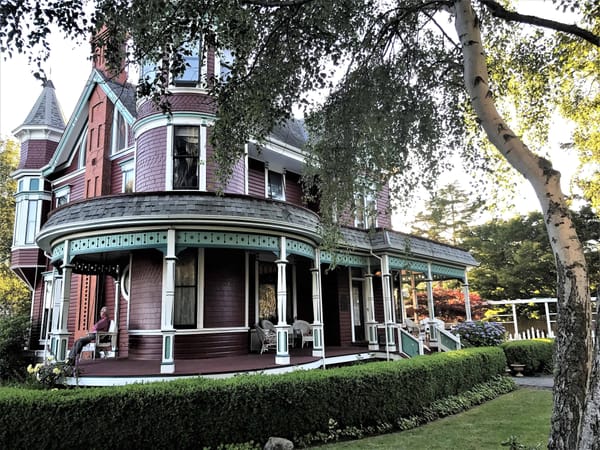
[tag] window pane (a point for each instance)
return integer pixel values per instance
(120, 133)
(186, 149)
(128, 181)
(31, 221)
(34, 184)
(275, 185)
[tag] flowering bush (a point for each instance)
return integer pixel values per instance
(51, 373)
(480, 334)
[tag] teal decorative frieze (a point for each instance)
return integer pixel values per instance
(120, 241)
(294, 247)
(227, 239)
(58, 252)
(344, 259)
(447, 272)
(407, 264)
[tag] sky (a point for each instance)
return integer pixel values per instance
(69, 69)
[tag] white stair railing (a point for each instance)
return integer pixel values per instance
(447, 341)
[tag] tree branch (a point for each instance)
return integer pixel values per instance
(276, 3)
(499, 11)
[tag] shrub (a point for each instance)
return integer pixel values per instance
(480, 334)
(13, 337)
(536, 354)
(199, 413)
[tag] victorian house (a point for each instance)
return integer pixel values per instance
(117, 207)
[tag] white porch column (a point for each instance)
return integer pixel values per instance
(168, 301)
(282, 356)
(371, 322)
(432, 328)
(467, 298)
(386, 279)
(116, 311)
(401, 297)
(317, 325)
(59, 337)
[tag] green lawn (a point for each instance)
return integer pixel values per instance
(524, 413)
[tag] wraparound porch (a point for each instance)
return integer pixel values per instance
(120, 371)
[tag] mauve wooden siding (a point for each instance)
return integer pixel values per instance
(215, 345)
(145, 296)
(293, 190)
(151, 161)
(236, 184)
(256, 178)
(180, 101)
(73, 305)
(224, 284)
(35, 153)
(144, 347)
(26, 257)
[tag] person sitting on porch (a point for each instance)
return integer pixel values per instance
(102, 325)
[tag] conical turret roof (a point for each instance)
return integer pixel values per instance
(46, 111)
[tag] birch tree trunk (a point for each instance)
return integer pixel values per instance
(573, 337)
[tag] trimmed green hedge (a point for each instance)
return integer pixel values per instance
(206, 413)
(536, 354)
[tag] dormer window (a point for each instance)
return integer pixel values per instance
(120, 132)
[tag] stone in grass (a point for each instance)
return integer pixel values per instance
(277, 443)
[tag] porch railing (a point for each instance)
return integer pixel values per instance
(448, 341)
(409, 344)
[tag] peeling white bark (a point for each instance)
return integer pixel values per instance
(573, 341)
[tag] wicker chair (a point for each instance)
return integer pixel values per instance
(267, 338)
(305, 330)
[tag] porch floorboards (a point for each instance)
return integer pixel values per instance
(124, 367)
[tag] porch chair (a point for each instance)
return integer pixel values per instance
(411, 326)
(267, 338)
(305, 330)
(269, 326)
(105, 342)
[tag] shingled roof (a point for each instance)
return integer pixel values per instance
(46, 111)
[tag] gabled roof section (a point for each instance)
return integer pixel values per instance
(46, 111)
(123, 97)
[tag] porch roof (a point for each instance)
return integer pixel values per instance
(159, 209)
(382, 240)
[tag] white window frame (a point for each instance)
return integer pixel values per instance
(201, 158)
(268, 194)
(82, 147)
(62, 192)
(114, 148)
(363, 207)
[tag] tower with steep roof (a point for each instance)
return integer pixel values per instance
(39, 136)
